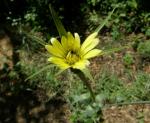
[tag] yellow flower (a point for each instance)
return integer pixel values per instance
(70, 53)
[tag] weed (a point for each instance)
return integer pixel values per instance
(144, 49)
(128, 59)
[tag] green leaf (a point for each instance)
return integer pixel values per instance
(34, 37)
(105, 21)
(59, 72)
(87, 73)
(89, 111)
(38, 72)
(81, 97)
(110, 51)
(59, 25)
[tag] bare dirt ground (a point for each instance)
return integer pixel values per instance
(127, 114)
(25, 108)
(6, 52)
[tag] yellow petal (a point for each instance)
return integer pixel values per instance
(59, 62)
(70, 39)
(88, 40)
(92, 53)
(64, 42)
(77, 41)
(55, 42)
(54, 51)
(57, 45)
(82, 64)
(90, 46)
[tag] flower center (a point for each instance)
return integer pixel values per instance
(72, 57)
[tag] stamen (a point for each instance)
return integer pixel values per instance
(72, 57)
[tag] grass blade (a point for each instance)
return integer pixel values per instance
(36, 38)
(59, 25)
(110, 51)
(38, 72)
(105, 21)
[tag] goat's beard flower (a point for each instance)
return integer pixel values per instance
(70, 53)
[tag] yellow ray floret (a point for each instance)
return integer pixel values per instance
(70, 53)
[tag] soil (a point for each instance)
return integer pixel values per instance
(25, 107)
(6, 52)
(127, 114)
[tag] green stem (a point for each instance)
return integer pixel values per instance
(129, 103)
(85, 82)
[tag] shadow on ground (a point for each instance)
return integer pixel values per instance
(18, 103)
(24, 107)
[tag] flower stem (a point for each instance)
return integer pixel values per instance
(129, 103)
(85, 82)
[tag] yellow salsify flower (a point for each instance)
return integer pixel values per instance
(70, 53)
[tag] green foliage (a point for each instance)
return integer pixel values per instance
(110, 86)
(115, 33)
(93, 2)
(109, 90)
(147, 32)
(128, 59)
(44, 79)
(84, 110)
(135, 92)
(128, 17)
(115, 91)
(144, 49)
(31, 19)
